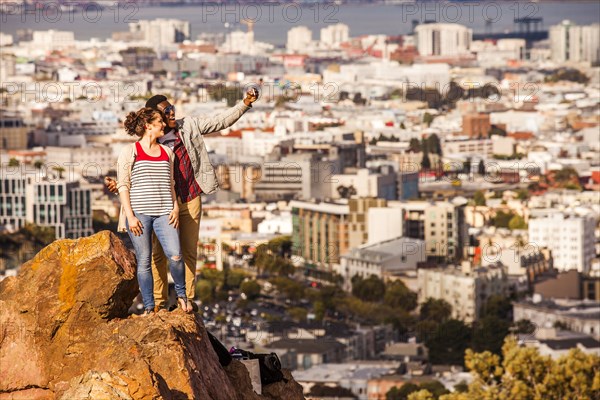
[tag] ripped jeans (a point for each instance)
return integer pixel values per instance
(168, 237)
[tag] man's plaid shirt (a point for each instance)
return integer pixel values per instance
(186, 187)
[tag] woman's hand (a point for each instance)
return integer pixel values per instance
(174, 217)
(135, 226)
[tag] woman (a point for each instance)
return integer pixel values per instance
(149, 204)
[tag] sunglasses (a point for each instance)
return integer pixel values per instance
(168, 109)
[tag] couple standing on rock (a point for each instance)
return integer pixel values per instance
(159, 180)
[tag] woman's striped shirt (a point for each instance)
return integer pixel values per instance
(150, 192)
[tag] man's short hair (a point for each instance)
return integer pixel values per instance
(155, 100)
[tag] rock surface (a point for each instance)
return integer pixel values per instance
(65, 334)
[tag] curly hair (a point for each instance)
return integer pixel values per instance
(135, 123)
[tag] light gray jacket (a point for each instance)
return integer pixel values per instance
(191, 130)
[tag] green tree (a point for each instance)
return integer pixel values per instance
(397, 295)
(38, 164)
(434, 145)
(525, 326)
(231, 93)
(204, 291)
(427, 119)
(479, 198)
(425, 162)
(461, 387)
(13, 162)
(402, 392)
(370, 289)
(298, 314)
(435, 388)
(290, 288)
(489, 333)
(497, 306)
(448, 343)
(568, 74)
(38, 234)
(501, 219)
(481, 168)
(251, 289)
(522, 373)
(522, 194)
(517, 222)
(435, 310)
(422, 394)
(414, 145)
(319, 309)
(235, 277)
(59, 171)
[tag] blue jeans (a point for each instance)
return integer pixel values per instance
(169, 240)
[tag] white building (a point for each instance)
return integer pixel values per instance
(225, 145)
(333, 35)
(87, 161)
(390, 73)
(354, 376)
(569, 236)
(441, 39)
(296, 176)
(384, 259)
(239, 42)
(257, 143)
(465, 289)
(365, 184)
(385, 223)
(5, 39)
(497, 55)
(483, 147)
(27, 196)
(52, 39)
(578, 316)
(299, 39)
(162, 33)
(570, 42)
(278, 224)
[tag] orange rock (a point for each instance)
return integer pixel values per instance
(66, 334)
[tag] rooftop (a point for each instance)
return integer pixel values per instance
(346, 371)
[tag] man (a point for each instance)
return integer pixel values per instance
(193, 174)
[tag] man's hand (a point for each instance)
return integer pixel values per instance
(111, 184)
(251, 96)
(174, 217)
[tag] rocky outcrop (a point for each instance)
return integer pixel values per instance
(65, 334)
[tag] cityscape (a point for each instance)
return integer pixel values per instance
(409, 210)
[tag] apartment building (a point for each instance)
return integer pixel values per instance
(578, 316)
(570, 42)
(569, 236)
(322, 232)
(384, 260)
(441, 39)
(45, 201)
(298, 176)
(13, 132)
(465, 288)
(440, 224)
